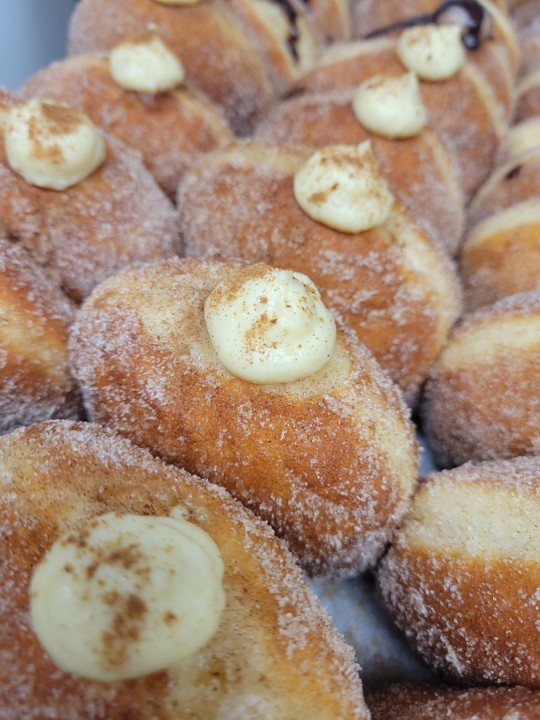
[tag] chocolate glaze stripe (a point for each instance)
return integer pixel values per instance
(474, 21)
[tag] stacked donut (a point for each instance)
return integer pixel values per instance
(238, 227)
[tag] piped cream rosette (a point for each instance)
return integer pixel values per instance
(52, 145)
(127, 595)
(340, 186)
(433, 52)
(144, 64)
(269, 325)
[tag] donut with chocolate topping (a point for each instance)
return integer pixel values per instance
(274, 648)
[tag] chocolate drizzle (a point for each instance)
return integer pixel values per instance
(473, 19)
(294, 32)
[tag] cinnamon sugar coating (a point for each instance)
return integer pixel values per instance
(81, 235)
(482, 92)
(482, 399)
(461, 578)
(218, 57)
(35, 316)
(275, 649)
(419, 170)
(330, 460)
(439, 702)
(391, 285)
(170, 129)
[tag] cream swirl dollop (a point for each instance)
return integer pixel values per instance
(390, 106)
(340, 186)
(433, 52)
(127, 595)
(52, 145)
(144, 63)
(269, 325)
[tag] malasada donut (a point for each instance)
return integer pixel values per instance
(35, 383)
(418, 167)
(91, 525)
(299, 424)
(414, 701)
(385, 277)
(83, 206)
(207, 38)
(461, 578)
(482, 399)
(137, 93)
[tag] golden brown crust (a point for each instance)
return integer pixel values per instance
(442, 702)
(464, 591)
(501, 256)
(206, 37)
(35, 316)
(275, 646)
(329, 461)
(419, 170)
(473, 94)
(170, 129)
(482, 400)
(116, 216)
(391, 285)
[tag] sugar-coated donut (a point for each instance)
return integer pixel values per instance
(84, 233)
(414, 701)
(418, 169)
(488, 18)
(206, 36)
(501, 255)
(390, 283)
(274, 652)
(461, 578)
(170, 129)
(329, 460)
(470, 110)
(482, 399)
(35, 383)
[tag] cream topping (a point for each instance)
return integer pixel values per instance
(127, 595)
(433, 52)
(269, 326)
(340, 187)
(390, 106)
(52, 145)
(145, 64)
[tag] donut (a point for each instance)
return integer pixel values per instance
(414, 701)
(481, 400)
(389, 283)
(461, 577)
(77, 488)
(470, 110)
(86, 230)
(419, 168)
(528, 95)
(205, 36)
(501, 256)
(479, 18)
(171, 128)
(35, 383)
(514, 182)
(326, 456)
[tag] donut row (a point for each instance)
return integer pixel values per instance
(263, 312)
